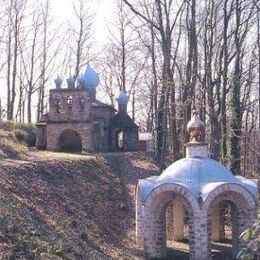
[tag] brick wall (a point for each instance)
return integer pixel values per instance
(151, 216)
(54, 131)
(73, 104)
(41, 136)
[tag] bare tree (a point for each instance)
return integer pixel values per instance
(243, 22)
(81, 34)
(163, 24)
(15, 12)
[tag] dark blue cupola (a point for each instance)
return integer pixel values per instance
(89, 81)
(91, 78)
(122, 101)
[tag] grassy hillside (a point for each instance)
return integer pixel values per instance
(58, 206)
(15, 138)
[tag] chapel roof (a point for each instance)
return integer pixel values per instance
(97, 103)
(198, 173)
(122, 121)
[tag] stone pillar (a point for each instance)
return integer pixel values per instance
(208, 232)
(87, 137)
(178, 220)
(53, 134)
(199, 237)
(154, 233)
(241, 220)
(160, 229)
(41, 136)
(138, 217)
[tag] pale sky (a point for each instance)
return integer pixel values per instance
(104, 9)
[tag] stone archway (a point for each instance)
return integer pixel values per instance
(70, 141)
(120, 142)
(242, 209)
(177, 218)
(179, 226)
(153, 220)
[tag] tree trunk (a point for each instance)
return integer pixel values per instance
(236, 113)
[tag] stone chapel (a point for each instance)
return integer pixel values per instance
(193, 192)
(77, 121)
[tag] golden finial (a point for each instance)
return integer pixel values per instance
(196, 128)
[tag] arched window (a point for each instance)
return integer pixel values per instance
(82, 104)
(57, 105)
(69, 103)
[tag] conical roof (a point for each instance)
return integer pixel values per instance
(122, 121)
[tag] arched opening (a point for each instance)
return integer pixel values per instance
(221, 223)
(69, 103)
(229, 214)
(178, 226)
(168, 208)
(70, 141)
(120, 141)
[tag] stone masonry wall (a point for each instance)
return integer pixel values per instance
(131, 140)
(55, 130)
(41, 136)
(151, 226)
(74, 105)
(100, 118)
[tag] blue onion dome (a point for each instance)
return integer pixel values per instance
(122, 98)
(91, 78)
(70, 82)
(58, 82)
(81, 81)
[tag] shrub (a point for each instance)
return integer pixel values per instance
(3, 133)
(252, 237)
(30, 129)
(11, 149)
(23, 133)
(7, 125)
(21, 136)
(7, 135)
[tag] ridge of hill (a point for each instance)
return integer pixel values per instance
(65, 206)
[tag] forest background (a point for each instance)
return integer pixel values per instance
(169, 56)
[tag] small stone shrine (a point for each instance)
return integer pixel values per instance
(77, 121)
(194, 190)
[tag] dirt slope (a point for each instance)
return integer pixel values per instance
(60, 206)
